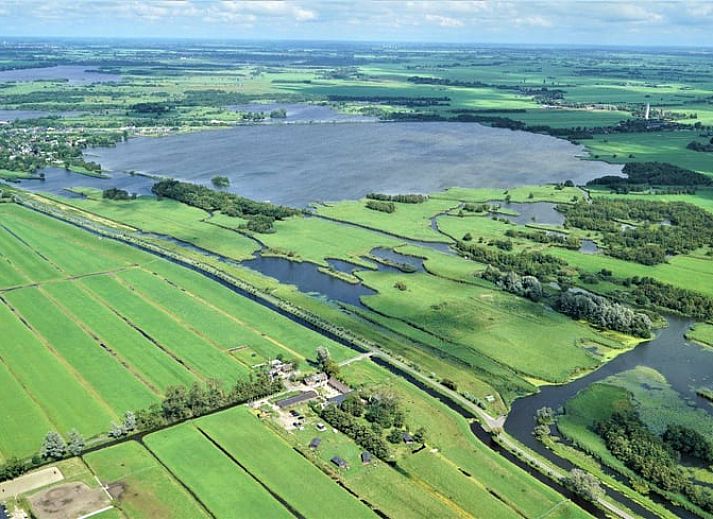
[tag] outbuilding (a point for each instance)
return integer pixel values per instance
(315, 443)
(366, 457)
(339, 462)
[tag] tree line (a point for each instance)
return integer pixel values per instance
(379, 205)
(656, 458)
(642, 175)
(603, 313)
(260, 215)
(404, 199)
(178, 404)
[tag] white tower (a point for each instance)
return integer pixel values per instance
(648, 111)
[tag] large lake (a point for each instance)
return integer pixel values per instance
(296, 164)
(74, 74)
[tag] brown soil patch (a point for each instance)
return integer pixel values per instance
(68, 501)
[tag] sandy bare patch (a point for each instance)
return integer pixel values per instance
(29, 482)
(68, 501)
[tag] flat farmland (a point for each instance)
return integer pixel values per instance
(144, 488)
(93, 328)
(272, 478)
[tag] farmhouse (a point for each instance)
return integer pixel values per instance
(339, 462)
(339, 386)
(305, 396)
(317, 379)
(407, 438)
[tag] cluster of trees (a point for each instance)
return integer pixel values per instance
(689, 227)
(563, 240)
(114, 193)
(688, 441)
(151, 108)
(220, 181)
(379, 205)
(409, 101)
(54, 447)
(476, 208)
(648, 292)
(364, 435)
(279, 113)
(382, 410)
(524, 263)
(652, 174)
(260, 215)
(603, 313)
(653, 458)
(701, 146)
(584, 485)
(325, 363)
(525, 286)
(404, 199)
(181, 402)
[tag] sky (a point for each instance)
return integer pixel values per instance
(575, 22)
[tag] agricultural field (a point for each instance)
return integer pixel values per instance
(130, 326)
(244, 454)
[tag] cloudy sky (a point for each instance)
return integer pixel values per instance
(637, 22)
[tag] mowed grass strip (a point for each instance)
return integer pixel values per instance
(221, 485)
(147, 489)
(280, 328)
(108, 378)
(220, 327)
(154, 364)
(200, 356)
(67, 403)
(273, 461)
(23, 421)
(21, 264)
(460, 488)
(73, 250)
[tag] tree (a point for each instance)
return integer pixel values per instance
(545, 416)
(129, 421)
(220, 181)
(584, 484)
(325, 362)
(541, 431)
(116, 431)
(75, 443)
(53, 446)
(175, 404)
(395, 436)
(420, 436)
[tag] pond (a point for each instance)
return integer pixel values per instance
(588, 247)
(307, 278)
(685, 365)
(73, 74)
(295, 164)
(532, 212)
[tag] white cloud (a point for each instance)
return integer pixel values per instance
(444, 21)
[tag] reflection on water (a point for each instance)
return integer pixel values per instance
(73, 74)
(534, 212)
(686, 367)
(296, 164)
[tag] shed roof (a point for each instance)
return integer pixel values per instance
(297, 399)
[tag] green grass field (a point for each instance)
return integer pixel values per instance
(148, 490)
(94, 328)
(222, 486)
(277, 465)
